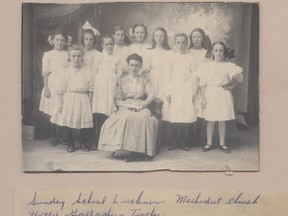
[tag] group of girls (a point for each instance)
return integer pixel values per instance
(80, 85)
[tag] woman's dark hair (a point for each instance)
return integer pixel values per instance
(135, 57)
(140, 25)
(88, 31)
(165, 43)
(228, 53)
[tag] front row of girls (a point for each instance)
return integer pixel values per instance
(183, 79)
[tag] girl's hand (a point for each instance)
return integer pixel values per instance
(47, 92)
(60, 107)
(204, 102)
(168, 98)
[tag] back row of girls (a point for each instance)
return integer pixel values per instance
(175, 75)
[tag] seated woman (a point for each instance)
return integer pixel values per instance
(132, 127)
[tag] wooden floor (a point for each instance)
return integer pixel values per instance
(40, 156)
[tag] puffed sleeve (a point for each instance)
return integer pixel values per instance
(62, 82)
(235, 73)
(202, 72)
(46, 64)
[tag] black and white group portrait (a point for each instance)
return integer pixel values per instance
(140, 86)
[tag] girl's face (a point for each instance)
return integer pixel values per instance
(181, 43)
(59, 42)
(119, 37)
(88, 41)
(134, 66)
(76, 58)
(197, 39)
(159, 37)
(218, 53)
(140, 34)
(108, 44)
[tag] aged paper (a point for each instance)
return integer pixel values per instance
(145, 202)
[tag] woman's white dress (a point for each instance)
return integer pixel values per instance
(214, 76)
(182, 88)
(108, 69)
(75, 85)
(52, 63)
(127, 129)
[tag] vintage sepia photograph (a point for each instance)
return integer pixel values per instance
(140, 87)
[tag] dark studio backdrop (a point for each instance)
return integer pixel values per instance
(237, 24)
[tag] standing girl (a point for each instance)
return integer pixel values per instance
(120, 49)
(108, 69)
(218, 78)
(74, 100)
(181, 93)
(199, 45)
(140, 34)
(52, 63)
(89, 40)
(159, 73)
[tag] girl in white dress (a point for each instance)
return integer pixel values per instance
(140, 33)
(107, 71)
(120, 49)
(218, 78)
(52, 63)
(199, 45)
(159, 74)
(74, 100)
(181, 93)
(89, 40)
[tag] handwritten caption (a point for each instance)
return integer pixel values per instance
(141, 204)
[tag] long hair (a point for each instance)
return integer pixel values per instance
(206, 44)
(165, 44)
(140, 25)
(228, 53)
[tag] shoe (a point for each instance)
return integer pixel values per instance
(70, 148)
(186, 148)
(207, 148)
(54, 142)
(84, 147)
(225, 149)
(170, 148)
(148, 158)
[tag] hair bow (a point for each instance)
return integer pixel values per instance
(87, 26)
(69, 41)
(50, 41)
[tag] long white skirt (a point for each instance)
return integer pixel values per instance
(130, 131)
